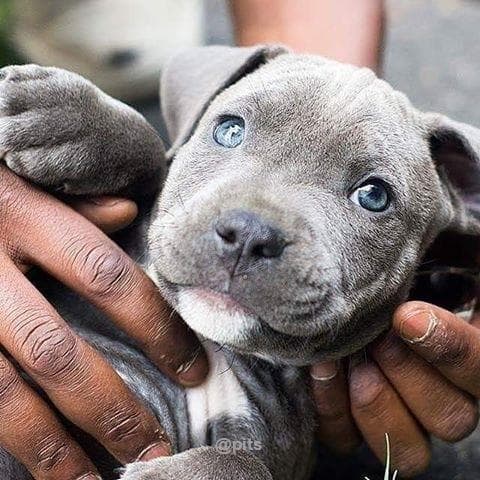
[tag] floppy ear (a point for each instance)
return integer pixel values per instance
(192, 78)
(455, 149)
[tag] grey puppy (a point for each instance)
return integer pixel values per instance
(301, 196)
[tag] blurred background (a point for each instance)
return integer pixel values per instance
(432, 48)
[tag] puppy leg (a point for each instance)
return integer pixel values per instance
(60, 131)
(204, 463)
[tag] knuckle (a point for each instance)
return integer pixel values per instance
(48, 348)
(108, 273)
(105, 270)
(123, 425)
(459, 423)
(51, 451)
(51, 351)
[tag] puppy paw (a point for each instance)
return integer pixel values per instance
(154, 470)
(204, 463)
(60, 131)
(45, 123)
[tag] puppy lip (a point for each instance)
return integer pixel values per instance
(214, 298)
(220, 300)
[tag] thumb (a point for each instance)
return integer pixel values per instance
(110, 214)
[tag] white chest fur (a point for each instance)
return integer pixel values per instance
(221, 394)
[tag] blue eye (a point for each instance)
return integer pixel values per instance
(230, 132)
(372, 195)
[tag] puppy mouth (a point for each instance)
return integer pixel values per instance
(185, 296)
(217, 316)
(219, 301)
(205, 295)
(221, 318)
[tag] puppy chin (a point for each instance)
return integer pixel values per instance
(216, 316)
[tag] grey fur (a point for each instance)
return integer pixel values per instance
(64, 133)
(315, 130)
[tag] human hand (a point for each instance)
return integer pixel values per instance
(422, 379)
(39, 230)
(345, 30)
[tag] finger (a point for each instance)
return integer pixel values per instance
(377, 409)
(32, 434)
(442, 408)
(74, 376)
(82, 258)
(336, 427)
(449, 343)
(39, 441)
(110, 214)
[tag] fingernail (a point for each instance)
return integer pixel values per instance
(323, 372)
(90, 476)
(105, 201)
(157, 450)
(418, 326)
(193, 371)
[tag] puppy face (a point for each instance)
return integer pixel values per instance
(294, 216)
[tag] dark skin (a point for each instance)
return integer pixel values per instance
(39, 230)
(420, 379)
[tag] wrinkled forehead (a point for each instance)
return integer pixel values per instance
(324, 100)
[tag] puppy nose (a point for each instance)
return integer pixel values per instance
(245, 237)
